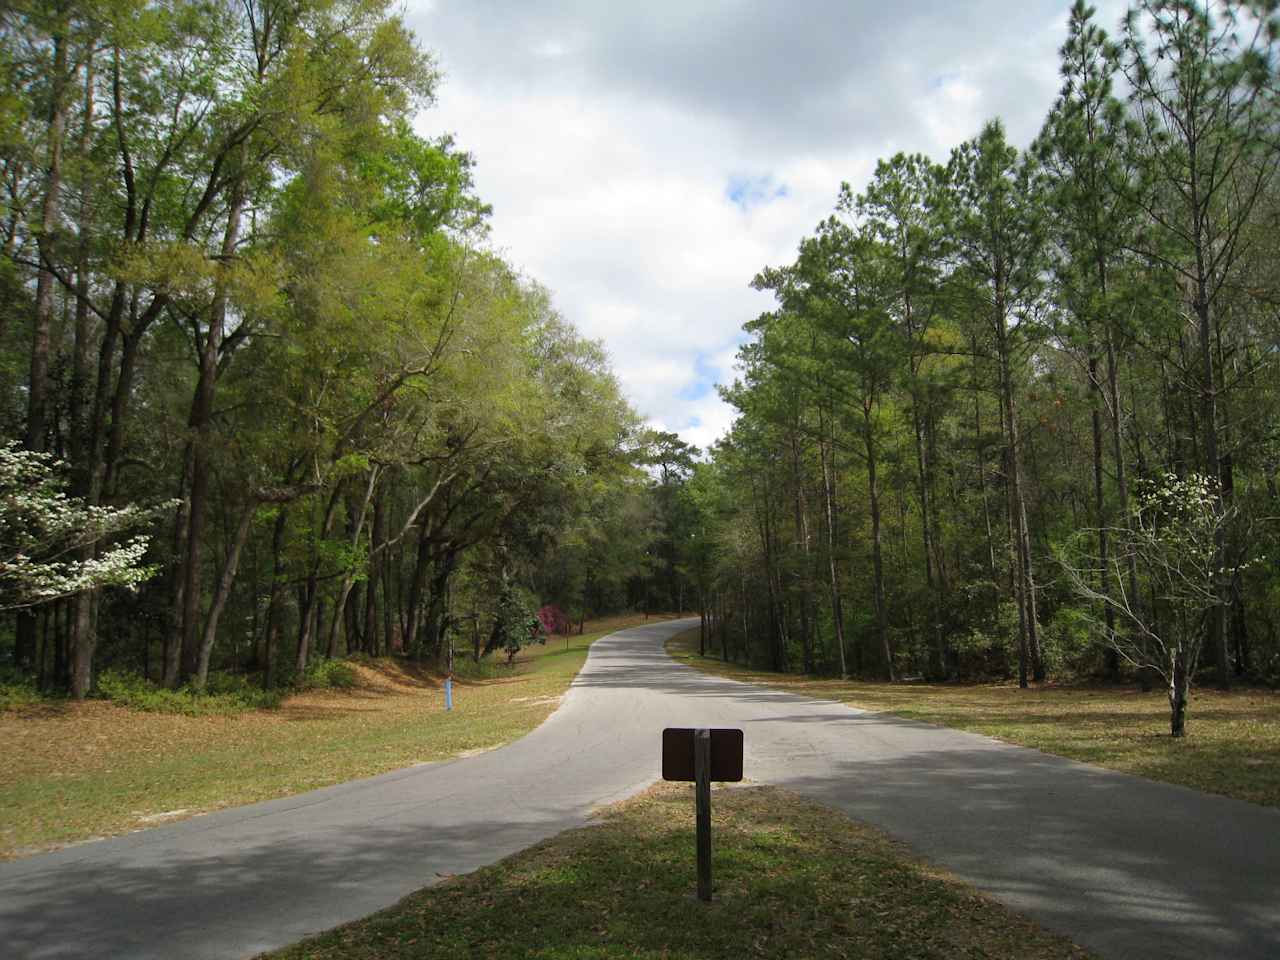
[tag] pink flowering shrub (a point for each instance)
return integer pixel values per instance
(554, 620)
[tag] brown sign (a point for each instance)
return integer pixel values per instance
(677, 754)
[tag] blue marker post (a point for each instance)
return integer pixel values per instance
(448, 692)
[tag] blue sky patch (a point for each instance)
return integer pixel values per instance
(696, 390)
(706, 376)
(748, 192)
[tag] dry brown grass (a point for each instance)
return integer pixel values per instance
(1232, 747)
(73, 771)
(792, 879)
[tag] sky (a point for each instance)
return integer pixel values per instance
(646, 159)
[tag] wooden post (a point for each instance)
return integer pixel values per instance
(702, 789)
(448, 682)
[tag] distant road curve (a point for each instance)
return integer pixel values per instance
(1127, 867)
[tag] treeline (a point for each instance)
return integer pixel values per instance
(960, 431)
(236, 284)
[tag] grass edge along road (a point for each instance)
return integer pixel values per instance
(1232, 747)
(77, 771)
(792, 879)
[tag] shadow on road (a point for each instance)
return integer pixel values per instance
(177, 904)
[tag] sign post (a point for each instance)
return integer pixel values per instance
(702, 755)
(448, 678)
(702, 803)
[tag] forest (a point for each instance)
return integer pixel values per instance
(273, 397)
(269, 394)
(1015, 414)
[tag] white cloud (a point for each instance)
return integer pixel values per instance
(645, 161)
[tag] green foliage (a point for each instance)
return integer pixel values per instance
(1070, 643)
(17, 689)
(225, 695)
(325, 673)
(464, 668)
(966, 366)
(515, 621)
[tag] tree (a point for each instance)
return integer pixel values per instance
(1082, 148)
(998, 224)
(1176, 526)
(849, 296)
(1202, 132)
(902, 208)
(43, 536)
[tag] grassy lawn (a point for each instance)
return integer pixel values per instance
(74, 771)
(1232, 745)
(792, 879)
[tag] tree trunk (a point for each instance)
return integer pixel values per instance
(802, 574)
(388, 606)
(776, 634)
(437, 607)
(1101, 519)
(377, 549)
(933, 579)
(1216, 638)
(826, 452)
(272, 628)
(1179, 685)
(308, 631)
(306, 623)
(417, 581)
(38, 385)
(877, 547)
(1024, 580)
(201, 424)
(78, 398)
(226, 578)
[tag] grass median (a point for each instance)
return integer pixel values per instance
(1232, 747)
(75, 771)
(792, 879)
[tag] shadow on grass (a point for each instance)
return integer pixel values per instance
(50, 709)
(1126, 871)
(1134, 868)
(791, 880)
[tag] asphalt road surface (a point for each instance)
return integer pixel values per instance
(1127, 867)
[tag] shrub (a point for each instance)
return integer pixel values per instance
(225, 695)
(327, 674)
(17, 690)
(554, 620)
(1067, 642)
(464, 668)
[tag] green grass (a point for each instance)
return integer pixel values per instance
(792, 879)
(72, 771)
(1232, 747)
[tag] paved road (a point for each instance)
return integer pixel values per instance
(1128, 867)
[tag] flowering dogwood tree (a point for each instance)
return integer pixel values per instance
(45, 535)
(1174, 530)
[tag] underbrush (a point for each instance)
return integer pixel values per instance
(325, 674)
(18, 691)
(464, 668)
(224, 693)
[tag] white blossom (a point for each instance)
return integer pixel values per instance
(46, 535)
